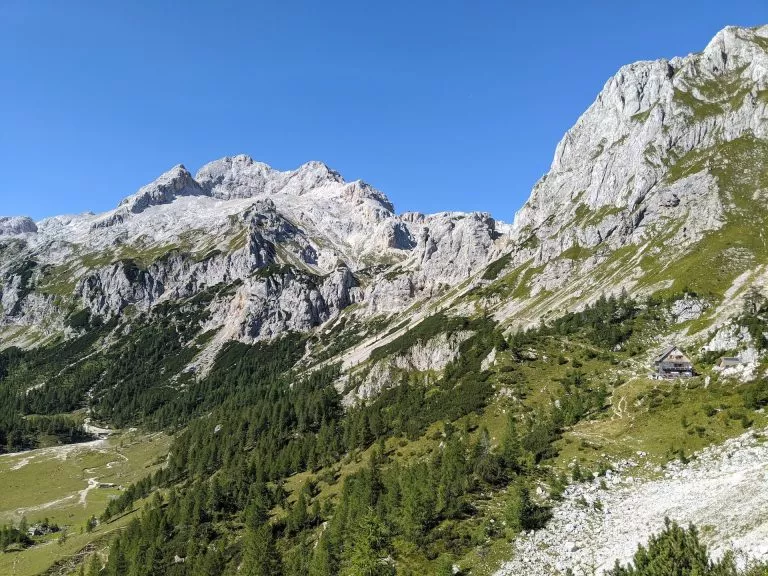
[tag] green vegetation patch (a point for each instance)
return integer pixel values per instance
(422, 332)
(495, 268)
(641, 117)
(577, 252)
(711, 266)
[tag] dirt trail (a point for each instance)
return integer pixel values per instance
(92, 483)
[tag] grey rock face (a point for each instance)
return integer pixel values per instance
(236, 221)
(687, 308)
(729, 337)
(609, 178)
(640, 176)
(433, 355)
(174, 183)
(15, 225)
(242, 177)
(296, 302)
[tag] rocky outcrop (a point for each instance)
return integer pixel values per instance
(429, 357)
(292, 301)
(610, 178)
(171, 185)
(242, 177)
(15, 225)
(687, 308)
(728, 338)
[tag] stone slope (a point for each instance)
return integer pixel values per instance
(722, 491)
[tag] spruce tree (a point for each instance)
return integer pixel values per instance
(323, 563)
(94, 566)
(365, 556)
(512, 449)
(260, 557)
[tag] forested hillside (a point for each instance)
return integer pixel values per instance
(270, 473)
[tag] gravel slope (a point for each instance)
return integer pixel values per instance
(724, 491)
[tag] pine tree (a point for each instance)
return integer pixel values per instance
(485, 463)
(512, 449)
(677, 552)
(452, 483)
(298, 516)
(417, 502)
(261, 557)
(297, 560)
(522, 513)
(368, 548)
(117, 564)
(256, 513)
(212, 564)
(94, 566)
(323, 563)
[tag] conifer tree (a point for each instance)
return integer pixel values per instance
(323, 563)
(94, 566)
(260, 557)
(512, 449)
(365, 556)
(117, 564)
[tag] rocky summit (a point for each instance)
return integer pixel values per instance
(303, 245)
(354, 390)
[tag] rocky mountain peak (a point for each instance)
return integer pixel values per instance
(235, 177)
(242, 177)
(13, 225)
(174, 183)
(733, 47)
(615, 160)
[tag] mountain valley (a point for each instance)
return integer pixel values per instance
(296, 379)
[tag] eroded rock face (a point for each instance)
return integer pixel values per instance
(729, 337)
(430, 357)
(297, 241)
(610, 179)
(687, 308)
(295, 302)
(15, 225)
(174, 183)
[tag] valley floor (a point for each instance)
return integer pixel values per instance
(723, 491)
(67, 485)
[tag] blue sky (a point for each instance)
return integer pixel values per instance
(443, 105)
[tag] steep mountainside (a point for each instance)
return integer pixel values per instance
(351, 390)
(658, 187)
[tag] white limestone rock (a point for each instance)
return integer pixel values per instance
(729, 337)
(687, 308)
(16, 225)
(174, 183)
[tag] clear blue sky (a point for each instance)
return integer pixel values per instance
(442, 104)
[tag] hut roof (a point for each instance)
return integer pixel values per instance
(667, 351)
